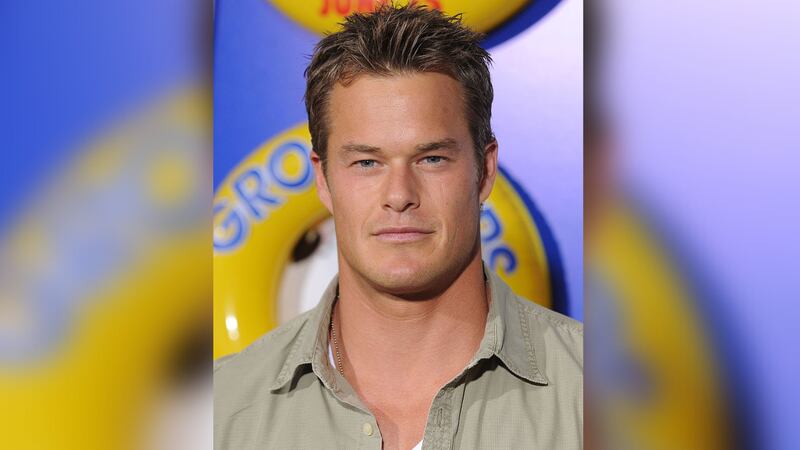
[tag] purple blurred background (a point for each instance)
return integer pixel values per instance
(703, 103)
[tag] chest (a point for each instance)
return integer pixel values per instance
(496, 410)
(401, 420)
(401, 410)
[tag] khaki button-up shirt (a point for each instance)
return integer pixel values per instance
(522, 390)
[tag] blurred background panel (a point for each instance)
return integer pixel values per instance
(691, 192)
(105, 259)
(274, 247)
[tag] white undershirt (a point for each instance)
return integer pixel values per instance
(333, 364)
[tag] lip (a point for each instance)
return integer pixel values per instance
(402, 234)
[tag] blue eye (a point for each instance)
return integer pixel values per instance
(434, 159)
(366, 163)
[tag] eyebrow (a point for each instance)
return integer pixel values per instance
(447, 143)
(360, 148)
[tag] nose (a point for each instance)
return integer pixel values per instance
(401, 190)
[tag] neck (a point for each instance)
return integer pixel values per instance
(384, 336)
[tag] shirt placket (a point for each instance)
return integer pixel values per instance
(369, 436)
(443, 418)
(445, 412)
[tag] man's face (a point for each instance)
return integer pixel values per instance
(401, 181)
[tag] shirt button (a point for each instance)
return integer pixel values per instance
(367, 429)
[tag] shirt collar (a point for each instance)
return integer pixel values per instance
(508, 335)
(310, 345)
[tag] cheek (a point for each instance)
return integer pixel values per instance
(350, 214)
(355, 200)
(457, 205)
(467, 220)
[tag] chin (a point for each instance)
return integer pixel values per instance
(403, 278)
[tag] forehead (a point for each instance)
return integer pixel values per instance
(398, 108)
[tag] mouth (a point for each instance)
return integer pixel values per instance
(402, 234)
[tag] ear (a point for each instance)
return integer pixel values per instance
(323, 192)
(489, 170)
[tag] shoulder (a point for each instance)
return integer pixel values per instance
(242, 378)
(560, 337)
(545, 316)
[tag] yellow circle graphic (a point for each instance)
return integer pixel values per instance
(661, 338)
(324, 16)
(94, 367)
